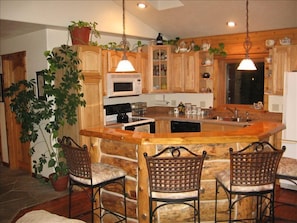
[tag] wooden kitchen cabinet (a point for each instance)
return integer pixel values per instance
(185, 72)
(159, 72)
(92, 114)
(110, 60)
(283, 59)
(142, 67)
(163, 126)
(268, 80)
(206, 61)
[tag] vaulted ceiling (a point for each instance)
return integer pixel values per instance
(195, 18)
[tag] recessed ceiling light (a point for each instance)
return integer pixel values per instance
(141, 5)
(231, 24)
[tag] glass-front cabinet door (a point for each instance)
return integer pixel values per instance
(159, 68)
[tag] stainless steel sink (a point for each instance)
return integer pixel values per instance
(230, 119)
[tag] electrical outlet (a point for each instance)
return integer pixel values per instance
(173, 102)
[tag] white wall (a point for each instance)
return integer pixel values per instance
(171, 100)
(60, 13)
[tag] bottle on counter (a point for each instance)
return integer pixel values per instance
(159, 40)
(181, 108)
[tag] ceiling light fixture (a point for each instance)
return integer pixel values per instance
(141, 5)
(124, 65)
(247, 63)
(231, 24)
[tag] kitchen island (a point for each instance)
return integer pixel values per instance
(125, 149)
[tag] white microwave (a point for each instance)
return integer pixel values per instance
(123, 84)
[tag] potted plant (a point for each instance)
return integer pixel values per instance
(81, 31)
(38, 116)
(138, 46)
(219, 51)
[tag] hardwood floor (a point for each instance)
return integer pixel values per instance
(81, 204)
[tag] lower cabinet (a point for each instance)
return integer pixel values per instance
(163, 126)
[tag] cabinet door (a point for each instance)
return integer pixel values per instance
(114, 57)
(280, 65)
(191, 72)
(90, 57)
(142, 64)
(163, 126)
(177, 72)
(159, 68)
(104, 65)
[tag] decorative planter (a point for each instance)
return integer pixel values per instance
(60, 184)
(80, 36)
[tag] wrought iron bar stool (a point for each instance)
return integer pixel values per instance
(174, 176)
(287, 170)
(252, 173)
(92, 177)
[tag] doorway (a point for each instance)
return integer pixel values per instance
(14, 70)
(244, 87)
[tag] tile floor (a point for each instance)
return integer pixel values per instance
(19, 190)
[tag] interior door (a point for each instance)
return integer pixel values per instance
(14, 69)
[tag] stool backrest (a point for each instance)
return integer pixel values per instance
(254, 165)
(174, 169)
(77, 157)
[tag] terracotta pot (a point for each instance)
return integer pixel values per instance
(80, 36)
(60, 184)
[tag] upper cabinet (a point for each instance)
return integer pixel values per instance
(283, 58)
(110, 60)
(206, 70)
(159, 68)
(185, 72)
(90, 57)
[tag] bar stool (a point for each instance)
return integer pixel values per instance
(174, 178)
(287, 170)
(92, 177)
(252, 173)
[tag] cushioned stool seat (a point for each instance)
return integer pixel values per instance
(287, 169)
(43, 216)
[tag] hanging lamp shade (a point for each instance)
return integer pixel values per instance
(124, 65)
(247, 63)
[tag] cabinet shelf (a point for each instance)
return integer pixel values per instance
(159, 70)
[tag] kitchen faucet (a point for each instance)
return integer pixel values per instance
(234, 112)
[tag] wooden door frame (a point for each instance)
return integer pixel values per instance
(14, 69)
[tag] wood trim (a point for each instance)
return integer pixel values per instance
(234, 42)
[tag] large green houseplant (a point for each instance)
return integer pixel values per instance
(37, 116)
(82, 32)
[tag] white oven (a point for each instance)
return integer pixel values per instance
(123, 84)
(120, 116)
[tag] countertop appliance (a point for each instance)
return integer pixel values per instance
(120, 116)
(123, 84)
(182, 126)
(289, 135)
